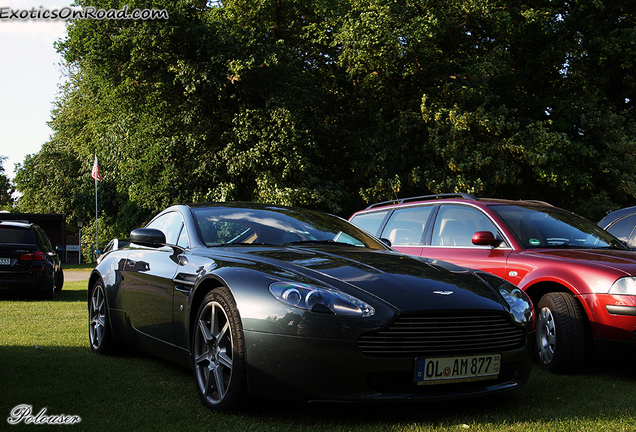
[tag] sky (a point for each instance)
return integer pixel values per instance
(30, 73)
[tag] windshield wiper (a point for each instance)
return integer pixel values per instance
(614, 247)
(242, 244)
(571, 246)
(317, 242)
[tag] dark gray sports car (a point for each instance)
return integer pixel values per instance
(278, 302)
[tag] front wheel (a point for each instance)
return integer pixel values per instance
(560, 333)
(218, 353)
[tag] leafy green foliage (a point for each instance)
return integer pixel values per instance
(335, 104)
(6, 189)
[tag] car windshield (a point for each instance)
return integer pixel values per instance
(546, 227)
(277, 226)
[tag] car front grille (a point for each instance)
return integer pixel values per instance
(444, 334)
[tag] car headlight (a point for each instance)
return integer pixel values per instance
(318, 299)
(624, 286)
(519, 302)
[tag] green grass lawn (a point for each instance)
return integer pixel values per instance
(45, 362)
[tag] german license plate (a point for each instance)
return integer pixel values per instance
(5, 261)
(447, 370)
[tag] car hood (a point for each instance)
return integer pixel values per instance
(407, 283)
(621, 260)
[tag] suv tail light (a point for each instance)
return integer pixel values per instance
(35, 256)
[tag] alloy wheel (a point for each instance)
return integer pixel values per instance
(213, 353)
(97, 317)
(546, 336)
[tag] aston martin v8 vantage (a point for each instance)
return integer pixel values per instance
(279, 302)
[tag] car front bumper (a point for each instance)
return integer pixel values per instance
(330, 370)
(613, 317)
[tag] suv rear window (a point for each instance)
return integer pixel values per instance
(10, 234)
(370, 222)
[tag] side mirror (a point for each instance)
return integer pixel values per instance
(148, 237)
(485, 238)
(386, 241)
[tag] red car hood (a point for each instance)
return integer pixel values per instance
(617, 259)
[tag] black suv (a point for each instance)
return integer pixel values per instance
(28, 262)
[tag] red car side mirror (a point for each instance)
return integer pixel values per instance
(485, 238)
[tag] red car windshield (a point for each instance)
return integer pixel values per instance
(546, 227)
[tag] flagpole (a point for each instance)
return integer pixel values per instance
(95, 174)
(96, 227)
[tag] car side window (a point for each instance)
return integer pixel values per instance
(406, 225)
(370, 222)
(623, 228)
(170, 224)
(183, 238)
(43, 240)
(455, 226)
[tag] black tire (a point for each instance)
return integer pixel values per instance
(218, 352)
(49, 292)
(560, 344)
(59, 280)
(99, 331)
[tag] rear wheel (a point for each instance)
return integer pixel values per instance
(99, 332)
(560, 333)
(218, 352)
(49, 291)
(59, 280)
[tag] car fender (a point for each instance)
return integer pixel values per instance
(580, 281)
(241, 282)
(110, 273)
(528, 269)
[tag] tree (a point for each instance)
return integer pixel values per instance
(6, 188)
(494, 98)
(196, 108)
(334, 104)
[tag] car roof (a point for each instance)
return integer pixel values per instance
(456, 197)
(25, 225)
(615, 215)
(240, 204)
